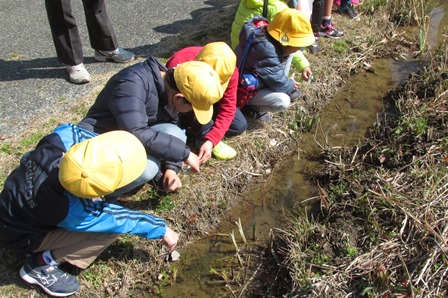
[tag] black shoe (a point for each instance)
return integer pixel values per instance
(257, 115)
(350, 12)
(51, 279)
(315, 47)
(295, 95)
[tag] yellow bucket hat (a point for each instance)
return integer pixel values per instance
(201, 86)
(102, 164)
(291, 27)
(221, 58)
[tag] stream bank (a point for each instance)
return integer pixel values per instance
(380, 229)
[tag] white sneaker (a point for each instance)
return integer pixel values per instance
(78, 74)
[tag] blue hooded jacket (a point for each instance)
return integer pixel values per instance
(33, 201)
(264, 59)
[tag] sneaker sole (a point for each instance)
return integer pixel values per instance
(330, 36)
(31, 280)
(79, 82)
(107, 59)
(224, 157)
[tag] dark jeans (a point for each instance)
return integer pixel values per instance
(317, 14)
(195, 129)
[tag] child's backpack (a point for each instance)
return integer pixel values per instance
(248, 83)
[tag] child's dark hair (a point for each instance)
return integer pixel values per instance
(169, 77)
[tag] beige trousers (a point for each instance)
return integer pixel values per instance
(77, 248)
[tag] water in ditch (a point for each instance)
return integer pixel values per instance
(342, 123)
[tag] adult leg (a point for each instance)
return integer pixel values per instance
(316, 15)
(101, 33)
(316, 21)
(328, 6)
(76, 248)
(64, 30)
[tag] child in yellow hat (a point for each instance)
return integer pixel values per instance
(262, 54)
(51, 210)
(227, 120)
(145, 99)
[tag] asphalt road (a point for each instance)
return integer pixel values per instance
(33, 84)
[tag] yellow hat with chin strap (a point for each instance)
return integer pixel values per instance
(102, 164)
(221, 58)
(291, 27)
(201, 86)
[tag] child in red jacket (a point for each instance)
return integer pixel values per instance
(227, 119)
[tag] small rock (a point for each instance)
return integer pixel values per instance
(174, 256)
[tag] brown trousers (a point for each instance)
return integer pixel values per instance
(65, 31)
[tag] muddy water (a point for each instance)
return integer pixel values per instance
(343, 123)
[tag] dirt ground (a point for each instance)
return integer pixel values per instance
(136, 267)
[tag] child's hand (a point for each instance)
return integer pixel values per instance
(193, 162)
(170, 239)
(296, 84)
(306, 74)
(171, 181)
(205, 152)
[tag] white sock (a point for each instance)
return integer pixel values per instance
(48, 258)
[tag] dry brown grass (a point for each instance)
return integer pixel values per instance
(382, 229)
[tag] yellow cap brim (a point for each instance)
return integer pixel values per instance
(133, 156)
(299, 42)
(203, 116)
(302, 42)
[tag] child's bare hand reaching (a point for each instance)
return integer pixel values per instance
(296, 84)
(306, 74)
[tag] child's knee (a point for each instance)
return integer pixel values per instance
(282, 103)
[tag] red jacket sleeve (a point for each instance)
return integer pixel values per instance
(184, 55)
(226, 109)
